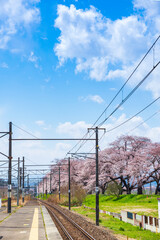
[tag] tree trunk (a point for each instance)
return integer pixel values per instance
(121, 190)
(139, 189)
(128, 190)
(156, 191)
(103, 190)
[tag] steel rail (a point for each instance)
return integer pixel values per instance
(60, 224)
(86, 234)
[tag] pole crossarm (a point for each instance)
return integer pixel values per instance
(37, 170)
(98, 129)
(7, 160)
(34, 174)
(80, 153)
(82, 156)
(39, 165)
(52, 139)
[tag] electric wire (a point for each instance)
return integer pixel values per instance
(123, 88)
(130, 94)
(25, 131)
(78, 142)
(127, 79)
(130, 120)
(123, 101)
(82, 144)
(30, 160)
(143, 122)
(133, 116)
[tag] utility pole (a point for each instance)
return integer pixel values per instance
(28, 183)
(97, 173)
(59, 183)
(69, 184)
(10, 168)
(18, 183)
(50, 181)
(43, 187)
(46, 187)
(20, 179)
(38, 189)
(23, 183)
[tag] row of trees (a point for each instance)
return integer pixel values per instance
(130, 161)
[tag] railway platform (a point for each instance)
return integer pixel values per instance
(31, 222)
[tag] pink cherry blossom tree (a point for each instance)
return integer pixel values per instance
(154, 160)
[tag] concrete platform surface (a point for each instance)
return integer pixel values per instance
(51, 230)
(3, 213)
(25, 224)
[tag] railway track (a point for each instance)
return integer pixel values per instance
(66, 224)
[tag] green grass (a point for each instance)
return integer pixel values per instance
(43, 197)
(44, 222)
(4, 199)
(141, 204)
(119, 227)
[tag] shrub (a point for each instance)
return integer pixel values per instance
(121, 229)
(114, 189)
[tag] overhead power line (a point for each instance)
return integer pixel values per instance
(130, 94)
(143, 122)
(24, 131)
(119, 92)
(133, 116)
(127, 79)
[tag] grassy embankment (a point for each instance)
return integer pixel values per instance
(134, 203)
(141, 204)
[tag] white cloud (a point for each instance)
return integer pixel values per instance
(93, 98)
(113, 89)
(43, 125)
(15, 15)
(40, 123)
(151, 8)
(4, 65)
(44, 38)
(40, 152)
(130, 128)
(74, 130)
(60, 150)
(98, 44)
(94, 41)
(34, 59)
(78, 129)
(47, 79)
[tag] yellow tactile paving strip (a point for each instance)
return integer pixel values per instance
(34, 228)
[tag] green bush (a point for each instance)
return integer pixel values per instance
(114, 189)
(121, 229)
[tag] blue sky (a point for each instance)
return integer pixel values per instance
(61, 63)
